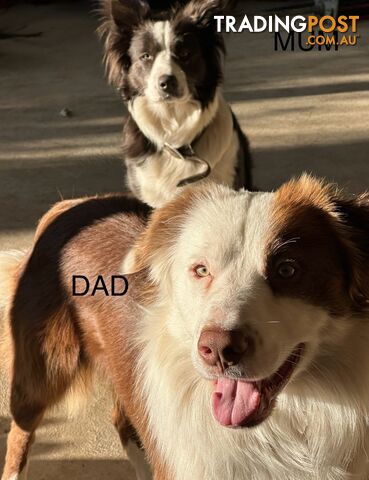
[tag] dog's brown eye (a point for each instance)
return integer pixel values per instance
(202, 271)
(286, 270)
(184, 54)
(145, 56)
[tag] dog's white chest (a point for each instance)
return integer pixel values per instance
(301, 442)
(258, 454)
(171, 123)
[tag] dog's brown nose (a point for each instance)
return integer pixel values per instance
(224, 347)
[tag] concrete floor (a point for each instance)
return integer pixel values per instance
(303, 111)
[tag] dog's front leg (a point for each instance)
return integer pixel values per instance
(131, 443)
(137, 458)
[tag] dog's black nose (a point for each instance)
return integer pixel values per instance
(168, 84)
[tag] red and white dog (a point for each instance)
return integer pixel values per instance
(241, 349)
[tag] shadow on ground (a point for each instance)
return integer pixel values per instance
(351, 157)
(28, 190)
(51, 181)
(234, 95)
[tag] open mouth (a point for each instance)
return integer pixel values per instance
(241, 403)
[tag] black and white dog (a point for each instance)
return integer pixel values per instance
(168, 66)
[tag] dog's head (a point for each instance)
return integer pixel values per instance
(257, 285)
(171, 56)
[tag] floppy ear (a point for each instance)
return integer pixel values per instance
(120, 18)
(354, 222)
(202, 12)
(348, 218)
(153, 251)
(129, 265)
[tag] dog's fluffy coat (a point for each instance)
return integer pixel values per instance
(147, 342)
(168, 67)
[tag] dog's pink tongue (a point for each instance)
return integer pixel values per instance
(234, 401)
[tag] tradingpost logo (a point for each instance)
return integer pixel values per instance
(297, 32)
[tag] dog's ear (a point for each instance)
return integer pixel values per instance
(130, 266)
(348, 219)
(155, 249)
(201, 12)
(119, 20)
(126, 14)
(353, 214)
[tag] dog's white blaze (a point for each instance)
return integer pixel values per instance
(164, 64)
(162, 32)
(319, 429)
